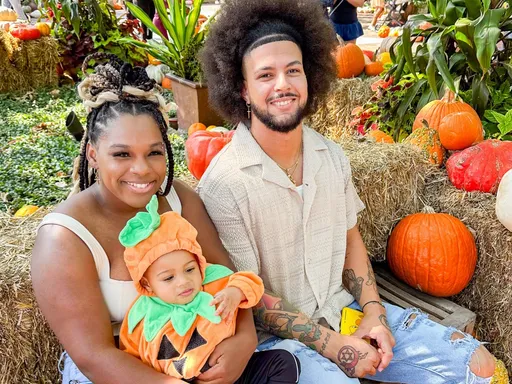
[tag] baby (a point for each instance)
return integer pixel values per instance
(186, 307)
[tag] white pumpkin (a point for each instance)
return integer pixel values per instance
(157, 72)
(7, 14)
(504, 201)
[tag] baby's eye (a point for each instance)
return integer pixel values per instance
(169, 278)
(190, 269)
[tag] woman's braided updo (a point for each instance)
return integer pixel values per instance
(117, 88)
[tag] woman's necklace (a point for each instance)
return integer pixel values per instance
(290, 171)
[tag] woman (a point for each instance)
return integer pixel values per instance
(79, 276)
(379, 10)
(344, 19)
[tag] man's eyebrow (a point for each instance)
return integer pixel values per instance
(295, 62)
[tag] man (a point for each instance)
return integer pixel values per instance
(282, 199)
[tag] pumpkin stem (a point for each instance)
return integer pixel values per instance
(449, 96)
(424, 122)
(428, 209)
(340, 40)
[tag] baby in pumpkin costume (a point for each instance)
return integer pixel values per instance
(173, 325)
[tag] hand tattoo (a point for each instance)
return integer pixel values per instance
(384, 320)
(348, 357)
(353, 283)
(324, 345)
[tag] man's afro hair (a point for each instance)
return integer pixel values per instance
(222, 55)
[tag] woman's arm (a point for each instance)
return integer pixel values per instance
(66, 286)
(356, 3)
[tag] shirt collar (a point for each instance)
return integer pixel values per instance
(249, 152)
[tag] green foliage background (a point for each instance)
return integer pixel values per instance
(37, 153)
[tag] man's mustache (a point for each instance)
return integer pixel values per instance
(280, 96)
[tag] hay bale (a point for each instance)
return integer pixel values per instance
(332, 118)
(30, 351)
(490, 292)
(26, 65)
(390, 180)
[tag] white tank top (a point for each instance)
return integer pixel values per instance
(118, 294)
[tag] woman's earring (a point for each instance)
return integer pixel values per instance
(97, 177)
(248, 110)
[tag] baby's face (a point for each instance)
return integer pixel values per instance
(175, 277)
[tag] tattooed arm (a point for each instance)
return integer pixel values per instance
(353, 355)
(359, 279)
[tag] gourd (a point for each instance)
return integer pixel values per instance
(432, 252)
(374, 69)
(43, 28)
(26, 210)
(504, 201)
(427, 140)
(201, 147)
(157, 72)
(480, 167)
(435, 111)
(7, 14)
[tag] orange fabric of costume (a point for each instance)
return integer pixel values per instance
(186, 356)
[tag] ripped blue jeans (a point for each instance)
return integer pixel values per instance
(424, 354)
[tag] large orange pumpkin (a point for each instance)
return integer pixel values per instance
(380, 137)
(460, 130)
(350, 61)
(202, 147)
(427, 140)
(432, 252)
(436, 110)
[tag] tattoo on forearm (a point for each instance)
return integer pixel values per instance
(353, 283)
(384, 320)
(348, 357)
(308, 333)
(371, 276)
(324, 345)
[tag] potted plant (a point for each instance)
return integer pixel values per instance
(186, 32)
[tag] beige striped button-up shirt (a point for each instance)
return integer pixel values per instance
(296, 245)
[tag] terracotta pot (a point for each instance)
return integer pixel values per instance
(192, 101)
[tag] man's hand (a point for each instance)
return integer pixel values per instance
(374, 326)
(227, 301)
(353, 355)
(228, 360)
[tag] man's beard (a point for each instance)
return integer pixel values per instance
(283, 126)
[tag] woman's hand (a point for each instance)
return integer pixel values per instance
(374, 326)
(230, 357)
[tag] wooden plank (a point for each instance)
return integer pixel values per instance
(438, 302)
(414, 301)
(392, 299)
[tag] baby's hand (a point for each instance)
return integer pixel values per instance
(227, 302)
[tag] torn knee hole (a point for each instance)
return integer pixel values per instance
(482, 363)
(410, 319)
(457, 335)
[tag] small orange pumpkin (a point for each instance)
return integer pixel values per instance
(380, 137)
(166, 83)
(350, 61)
(374, 69)
(436, 110)
(43, 28)
(460, 130)
(432, 252)
(427, 140)
(383, 31)
(196, 127)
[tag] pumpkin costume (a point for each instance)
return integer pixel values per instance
(177, 339)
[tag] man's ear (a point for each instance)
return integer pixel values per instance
(91, 154)
(145, 283)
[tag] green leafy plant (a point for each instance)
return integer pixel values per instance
(87, 26)
(186, 36)
(504, 123)
(464, 48)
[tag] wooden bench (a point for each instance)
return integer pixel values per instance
(440, 310)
